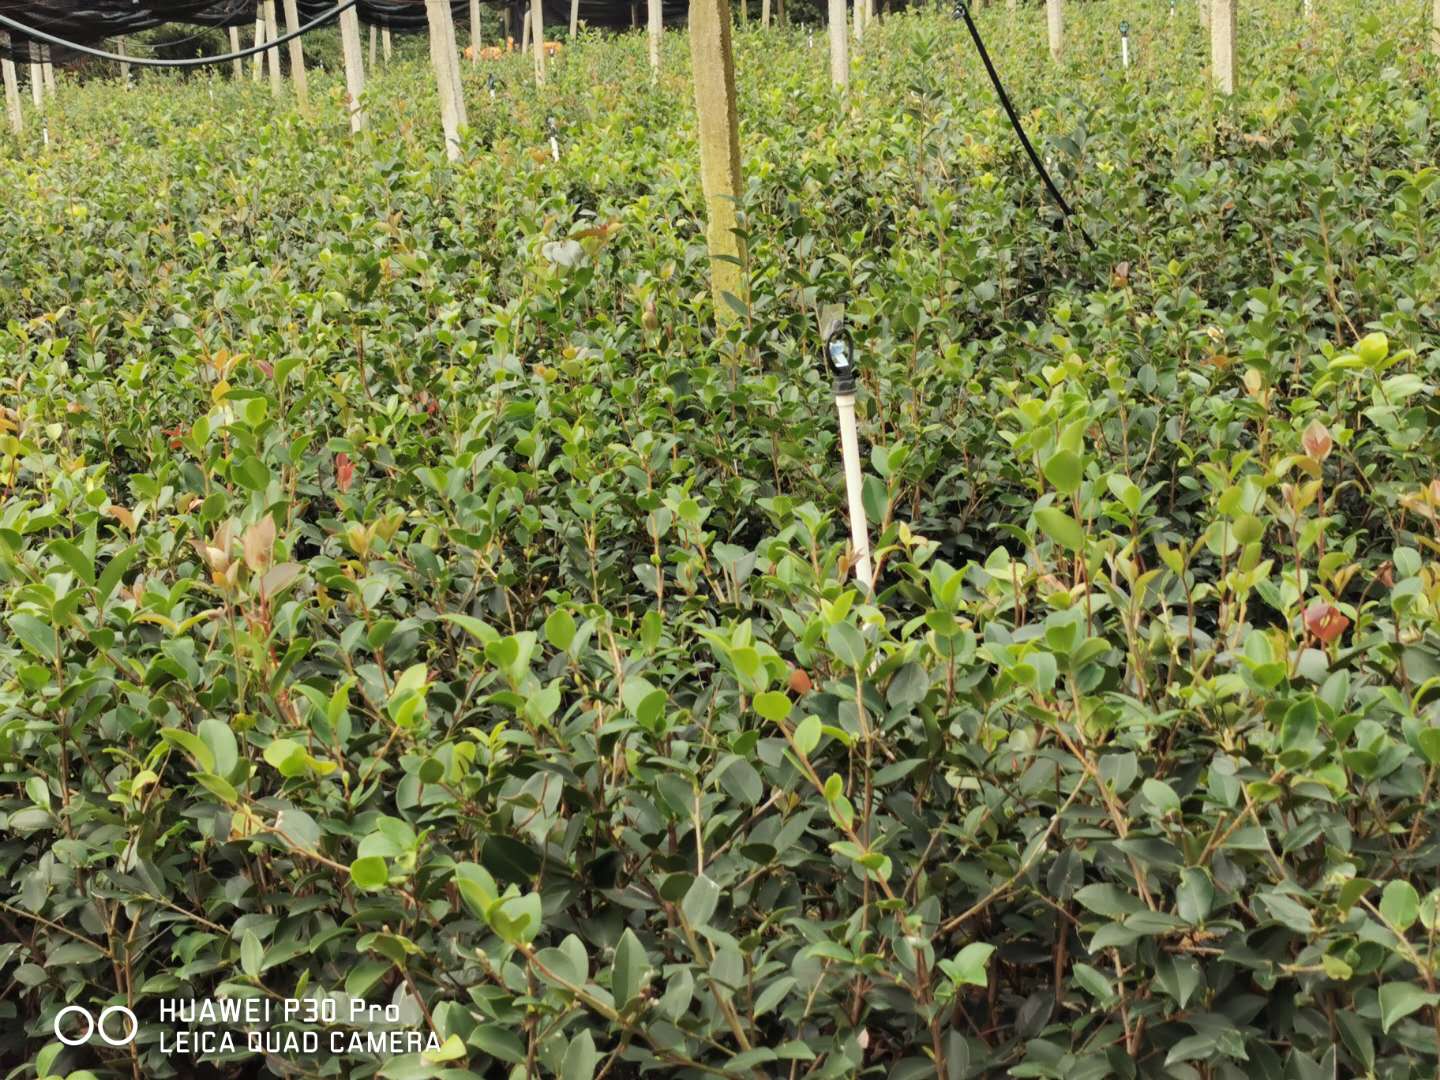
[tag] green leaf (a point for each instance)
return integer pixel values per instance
(700, 901)
(628, 971)
(113, 572)
(1300, 726)
(1161, 796)
(847, 645)
(1108, 900)
(479, 629)
(1194, 895)
(451, 1049)
(560, 629)
(370, 872)
(968, 968)
(192, 745)
(1065, 469)
(1398, 1000)
(476, 887)
(1060, 527)
(581, 1056)
(220, 739)
(1400, 905)
(772, 705)
(35, 635)
(518, 919)
(252, 954)
(807, 735)
(77, 560)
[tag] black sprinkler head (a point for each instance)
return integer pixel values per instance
(840, 359)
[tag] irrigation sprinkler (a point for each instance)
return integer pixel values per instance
(1172, 9)
(840, 359)
(490, 84)
(1125, 44)
(554, 137)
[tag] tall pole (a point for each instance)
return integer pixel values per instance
(537, 39)
(1055, 17)
(841, 361)
(237, 66)
(574, 18)
(297, 54)
(474, 33)
(374, 45)
(385, 46)
(765, 13)
(37, 78)
(12, 87)
(47, 69)
(713, 64)
(525, 24)
(259, 68)
(124, 67)
(272, 56)
(839, 57)
(442, 59)
(1222, 44)
(657, 31)
(354, 68)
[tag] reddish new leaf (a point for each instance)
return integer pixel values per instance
(1325, 621)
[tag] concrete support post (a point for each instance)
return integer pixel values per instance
(354, 68)
(839, 55)
(1222, 45)
(297, 55)
(719, 135)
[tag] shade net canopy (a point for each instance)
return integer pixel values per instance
(93, 22)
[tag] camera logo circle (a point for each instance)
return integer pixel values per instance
(92, 1025)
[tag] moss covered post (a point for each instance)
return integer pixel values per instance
(237, 66)
(297, 54)
(12, 87)
(258, 71)
(124, 67)
(354, 68)
(719, 133)
(447, 73)
(657, 31)
(1222, 45)
(839, 57)
(272, 56)
(37, 78)
(537, 39)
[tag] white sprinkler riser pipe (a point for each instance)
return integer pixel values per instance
(1125, 49)
(854, 481)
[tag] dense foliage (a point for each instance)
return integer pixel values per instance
(407, 595)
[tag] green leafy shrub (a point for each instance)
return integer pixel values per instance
(407, 599)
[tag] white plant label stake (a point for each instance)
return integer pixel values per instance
(839, 355)
(1125, 45)
(554, 142)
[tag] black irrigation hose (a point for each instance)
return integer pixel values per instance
(198, 61)
(964, 10)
